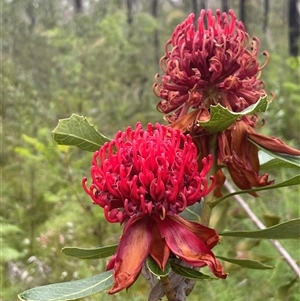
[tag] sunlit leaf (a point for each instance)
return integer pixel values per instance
(247, 244)
(291, 160)
(268, 162)
(283, 291)
(246, 263)
(92, 253)
(189, 273)
(69, 290)
(286, 230)
(155, 269)
(77, 131)
(290, 182)
(221, 118)
(271, 220)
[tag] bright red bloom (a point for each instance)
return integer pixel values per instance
(146, 178)
(208, 66)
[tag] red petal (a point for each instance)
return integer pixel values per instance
(131, 253)
(207, 235)
(180, 236)
(273, 144)
(220, 180)
(159, 250)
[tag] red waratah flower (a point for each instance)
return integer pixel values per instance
(146, 178)
(208, 66)
(216, 65)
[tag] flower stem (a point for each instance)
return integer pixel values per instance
(168, 289)
(208, 199)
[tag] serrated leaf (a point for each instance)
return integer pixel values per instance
(289, 159)
(246, 263)
(92, 253)
(155, 269)
(189, 273)
(69, 290)
(290, 182)
(221, 118)
(286, 230)
(77, 131)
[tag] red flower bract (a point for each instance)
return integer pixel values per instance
(145, 178)
(209, 66)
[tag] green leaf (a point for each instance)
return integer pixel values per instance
(290, 182)
(268, 162)
(286, 230)
(155, 269)
(189, 273)
(221, 118)
(192, 213)
(92, 253)
(77, 131)
(246, 263)
(289, 159)
(271, 220)
(69, 290)
(283, 291)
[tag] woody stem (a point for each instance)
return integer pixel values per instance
(168, 289)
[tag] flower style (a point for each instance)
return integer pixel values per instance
(209, 66)
(145, 178)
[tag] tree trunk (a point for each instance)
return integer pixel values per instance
(202, 4)
(294, 30)
(78, 6)
(266, 15)
(195, 7)
(154, 12)
(243, 11)
(129, 11)
(225, 7)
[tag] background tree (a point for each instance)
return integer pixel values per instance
(294, 27)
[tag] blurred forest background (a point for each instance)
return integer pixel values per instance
(98, 58)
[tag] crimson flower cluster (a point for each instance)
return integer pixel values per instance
(208, 66)
(145, 179)
(215, 64)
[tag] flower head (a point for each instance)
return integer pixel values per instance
(146, 178)
(213, 64)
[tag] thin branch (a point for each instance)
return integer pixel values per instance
(288, 258)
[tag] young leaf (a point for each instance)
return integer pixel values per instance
(72, 290)
(286, 230)
(221, 118)
(246, 263)
(77, 131)
(189, 273)
(294, 160)
(290, 182)
(192, 213)
(268, 162)
(155, 269)
(93, 253)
